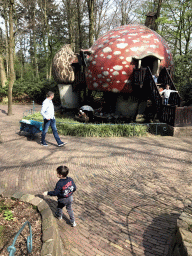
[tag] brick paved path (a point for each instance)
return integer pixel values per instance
(130, 191)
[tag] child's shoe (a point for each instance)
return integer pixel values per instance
(58, 217)
(73, 224)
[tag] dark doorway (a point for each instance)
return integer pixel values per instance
(151, 62)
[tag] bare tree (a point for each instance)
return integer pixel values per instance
(11, 56)
(91, 6)
(3, 77)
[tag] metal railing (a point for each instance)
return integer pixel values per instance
(11, 249)
(31, 111)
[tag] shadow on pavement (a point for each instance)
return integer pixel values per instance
(53, 206)
(3, 111)
(158, 235)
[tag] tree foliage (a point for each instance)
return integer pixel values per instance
(42, 27)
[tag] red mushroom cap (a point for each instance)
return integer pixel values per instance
(111, 64)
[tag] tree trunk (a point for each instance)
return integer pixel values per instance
(6, 45)
(79, 25)
(90, 4)
(35, 48)
(11, 58)
(158, 13)
(2, 72)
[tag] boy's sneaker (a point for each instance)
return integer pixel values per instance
(44, 144)
(62, 144)
(73, 224)
(59, 218)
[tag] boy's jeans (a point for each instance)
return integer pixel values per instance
(166, 100)
(51, 123)
(65, 202)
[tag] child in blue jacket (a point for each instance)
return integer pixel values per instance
(64, 190)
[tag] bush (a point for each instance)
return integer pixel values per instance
(101, 130)
(183, 70)
(70, 127)
(26, 90)
(186, 94)
(3, 92)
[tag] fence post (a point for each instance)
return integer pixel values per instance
(33, 107)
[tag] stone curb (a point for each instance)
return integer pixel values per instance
(52, 244)
(181, 244)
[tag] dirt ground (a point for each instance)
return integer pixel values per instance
(17, 214)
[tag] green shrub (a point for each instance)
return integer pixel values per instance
(69, 127)
(8, 215)
(186, 94)
(101, 130)
(25, 90)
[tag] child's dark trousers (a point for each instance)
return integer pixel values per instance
(68, 203)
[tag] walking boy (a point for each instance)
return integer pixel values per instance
(47, 111)
(63, 190)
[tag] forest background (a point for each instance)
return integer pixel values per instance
(32, 31)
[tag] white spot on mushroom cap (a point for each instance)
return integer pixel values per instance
(115, 90)
(108, 80)
(99, 75)
(115, 36)
(124, 62)
(124, 73)
(128, 59)
(94, 62)
(127, 66)
(105, 73)
(100, 46)
(134, 49)
(127, 50)
(117, 53)
(117, 67)
(94, 78)
(121, 57)
(154, 46)
(111, 70)
(105, 85)
(109, 56)
(101, 54)
(107, 49)
(96, 56)
(111, 43)
(115, 73)
(95, 85)
(101, 67)
(147, 36)
(122, 45)
(136, 41)
(121, 39)
(117, 82)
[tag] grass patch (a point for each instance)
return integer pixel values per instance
(67, 126)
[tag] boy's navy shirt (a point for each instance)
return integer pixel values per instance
(64, 188)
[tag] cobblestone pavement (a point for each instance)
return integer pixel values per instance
(130, 191)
